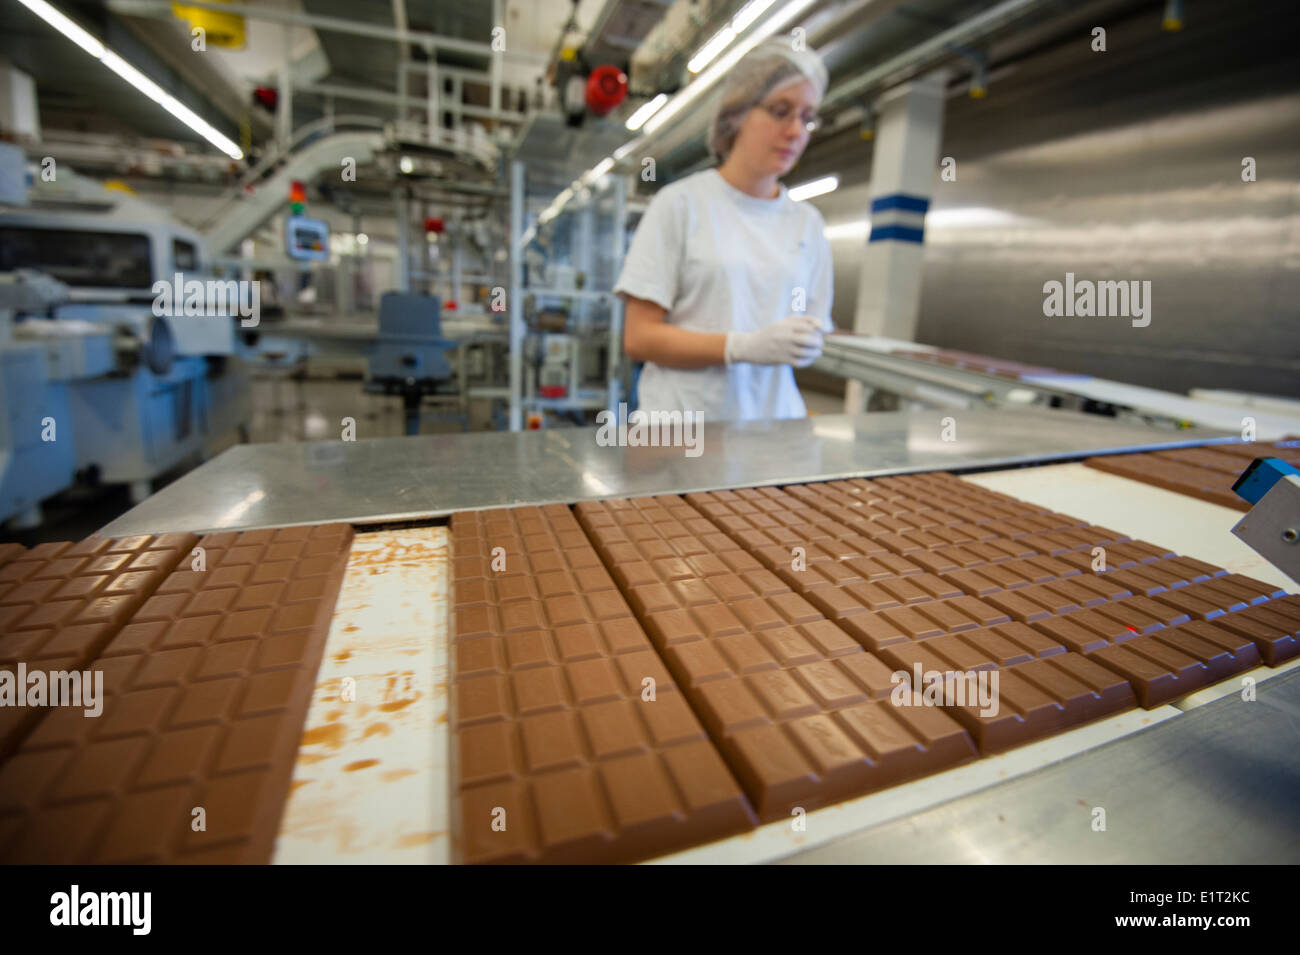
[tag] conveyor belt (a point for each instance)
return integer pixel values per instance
(334, 814)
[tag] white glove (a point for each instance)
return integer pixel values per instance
(794, 340)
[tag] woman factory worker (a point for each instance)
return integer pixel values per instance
(728, 280)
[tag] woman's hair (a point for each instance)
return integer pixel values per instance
(769, 66)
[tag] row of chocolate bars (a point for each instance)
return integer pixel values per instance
(637, 676)
(155, 690)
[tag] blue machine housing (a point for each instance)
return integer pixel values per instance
(1260, 476)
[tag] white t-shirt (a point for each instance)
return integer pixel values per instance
(718, 260)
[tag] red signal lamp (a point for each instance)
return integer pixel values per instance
(606, 88)
(266, 97)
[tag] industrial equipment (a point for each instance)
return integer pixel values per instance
(1272, 527)
(125, 345)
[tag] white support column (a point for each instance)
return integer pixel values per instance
(515, 297)
(494, 102)
(284, 105)
(583, 257)
(904, 165)
(613, 372)
(433, 120)
(457, 266)
(402, 213)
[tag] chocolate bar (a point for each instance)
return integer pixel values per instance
(207, 686)
(571, 741)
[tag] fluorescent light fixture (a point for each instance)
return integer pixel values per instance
(626, 149)
(133, 76)
(749, 13)
(406, 164)
(645, 111)
(705, 80)
(719, 41)
(598, 170)
(818, 187)
(65, 26)
(705, 55)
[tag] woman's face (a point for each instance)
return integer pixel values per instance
(774, 133)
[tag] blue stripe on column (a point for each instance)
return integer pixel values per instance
(900, 200)
(900, 233)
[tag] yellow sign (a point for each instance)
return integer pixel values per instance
(220, 29)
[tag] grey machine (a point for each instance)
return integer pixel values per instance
(1272, 488)
(409, 358)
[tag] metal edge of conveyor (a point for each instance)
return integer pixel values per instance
(1211, 786)
(400, 480)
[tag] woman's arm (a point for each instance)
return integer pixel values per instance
(647, 337)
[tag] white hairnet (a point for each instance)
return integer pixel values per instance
(769, 66)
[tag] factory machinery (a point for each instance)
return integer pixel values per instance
(119, 361)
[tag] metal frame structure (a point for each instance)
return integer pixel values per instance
(517, 291)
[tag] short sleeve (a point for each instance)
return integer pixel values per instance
(823, 281)
(652, 267)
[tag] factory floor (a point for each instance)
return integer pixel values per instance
(287, 410)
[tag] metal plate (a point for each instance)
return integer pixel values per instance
(388, 479)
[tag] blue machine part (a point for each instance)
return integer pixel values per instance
(1259, 478)
(38, 448)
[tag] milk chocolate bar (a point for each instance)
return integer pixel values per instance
(60, 604)
(1175, 661)
(571, 741)
(1043, 697)
(1206, 473)
(207, 686)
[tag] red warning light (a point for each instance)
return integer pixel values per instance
(297, 192)
(266, 96)
(606, 88)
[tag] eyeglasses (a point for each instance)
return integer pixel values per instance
(782, 111)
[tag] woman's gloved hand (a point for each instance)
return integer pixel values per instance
(794, 340)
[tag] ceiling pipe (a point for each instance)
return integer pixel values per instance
(931, 52)
(144, 8)
(927, 54)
